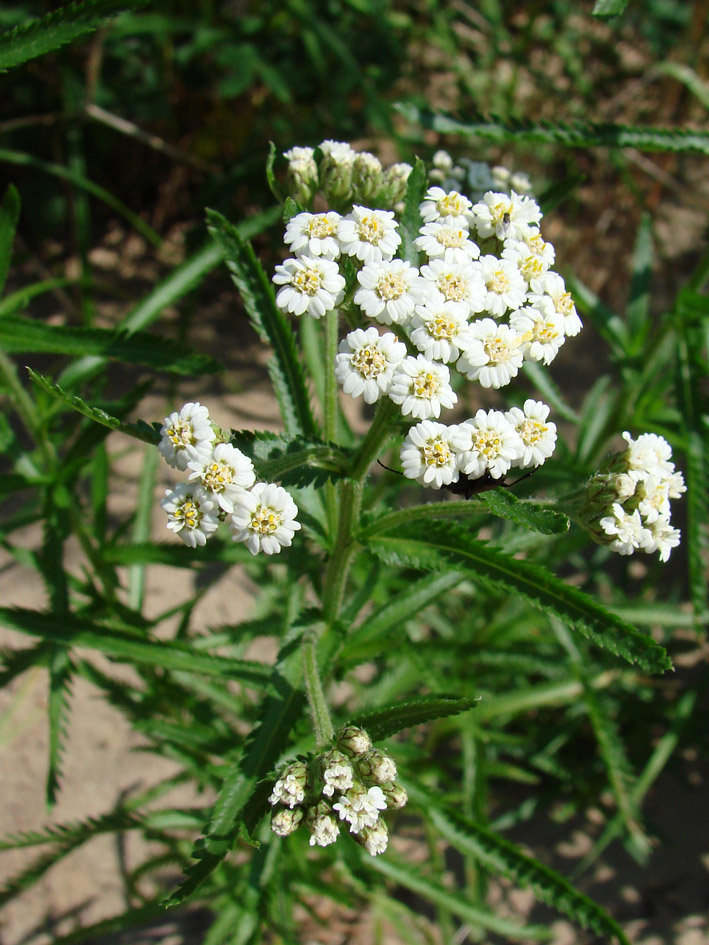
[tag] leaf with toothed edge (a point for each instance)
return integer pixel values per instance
(387, 721)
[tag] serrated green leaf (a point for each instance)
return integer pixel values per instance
(71, 630)
(60, 673)
(442, 548)
(9, 215)
(503, 857)
(387, 721)
(293, 460)
(41, 36)
(140, 430)
(291, 209)
(531, 515)
(410, 223)
(177, 555)
(269, 321)
(573, 135)
(20, 335)
(608, 8)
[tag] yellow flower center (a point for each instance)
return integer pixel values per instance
(565, 303)
(499, 211)
(188, 513)
(531, 267)
(498, 282)
(265, 520)
(531, 431)
(180, 433)
(391, 286)
(497, 350)
(487, 442)
(369, 361)
(425, 384)
(536, 244)
(452, 205)
(443, 327)
(217, 475)
(436, 453)
(370, 230)
(453, 287)
(320, 227)
(449, 237)
(545, 332)
(308, 281)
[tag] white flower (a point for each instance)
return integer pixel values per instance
(505, 287)
(285, 821)
(530, 264)
(227, 473)
(661, 536)
(550, 286)
(538, 434)
(457, 283)
(452, 208)
(337, 777)
(314, 234)
(390, 290)
(264, 518)
(542, 330)
(505, 216)
(186, 435)
(442, 161)
(494, 355)
(488, 443)
(429, 454)
(441, 331)
(625, 528)
(421, 387)
(192, 513)
(299, 154)
(375, 839)
(309, 284)
(452, 243)
(649, 455)
(366, 361)
(675, 485)
(339, 152)
(324, 830)
(289, 789)
(361, 808)
(655, 501)
(370, 235)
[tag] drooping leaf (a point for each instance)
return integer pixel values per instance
(450, 547)
(573, 135)
(285, 369)
(41, 36)
(503, 857)
(140, 430)
(387, 721)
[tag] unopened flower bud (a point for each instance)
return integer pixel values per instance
(520, 183)
(367, 177)
(285, 821)
(395, 795)
(336, 170)
(377, 766)
(322, 824)
(394, 184)
(289, 789)
(337, 772)
(374, 839)
(442, 160)
(353, 740)
(302, 175)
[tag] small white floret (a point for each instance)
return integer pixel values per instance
(542, 330)
(390, 290)
(369, 235)
(494, 355)
(537, 432)
(548, 292)
(227, 473)
(450, 207)
(366, 361)
(457, 283)
(649, 455)
(430, 453)
(440, 330)
(192, 513)
(626, 529)
(422, 387)
(309, 284)
(488, 443)
(506, 216)
(505, 287)
(186, 435)
(265, 519)
(444, 241)
(314, 234)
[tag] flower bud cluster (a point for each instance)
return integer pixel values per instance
(344, 176)
(221, 487)
(474, 178)
(484, 302)
(626, 505)
(351, 783)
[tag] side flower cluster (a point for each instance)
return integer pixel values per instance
(474, 178)
(351, 784)
(221, 486)
(626, 505)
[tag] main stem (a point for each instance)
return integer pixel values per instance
(324, 731)
(330, 410)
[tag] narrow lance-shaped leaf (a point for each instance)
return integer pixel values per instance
(411, 220)
(387, 721)
(440, 548)
(269, 321)
(9, 215)
(577, 135)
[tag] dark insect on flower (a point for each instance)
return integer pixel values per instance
(468, 487)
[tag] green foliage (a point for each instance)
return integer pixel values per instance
(385, 722)
(606, 8)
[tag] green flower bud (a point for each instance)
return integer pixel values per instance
(367, 177)
(290, 787)
(285, 821)
(376, 766)
(322, 824)
(353, 740)
(395, 795)
(337, 773)
(336, 170)
(374, 839)
(394, 183)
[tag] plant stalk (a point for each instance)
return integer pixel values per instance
(330, 411)
(324, 731)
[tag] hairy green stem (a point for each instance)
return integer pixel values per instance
(324, 731)
(330, 410)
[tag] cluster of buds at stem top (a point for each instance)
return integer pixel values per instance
(626, 504)
(344, 176)
(474, 178)
(351, 783)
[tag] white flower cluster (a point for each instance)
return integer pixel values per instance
(475, 178)
(627, 504)
(344, 175)
(221, 486)
(352, 783)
